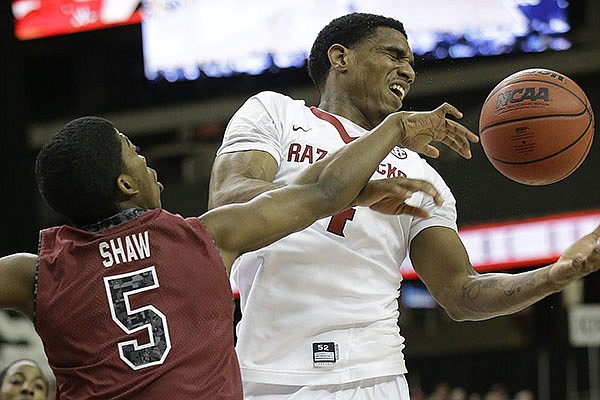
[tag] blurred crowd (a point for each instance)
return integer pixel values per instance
(444, 391)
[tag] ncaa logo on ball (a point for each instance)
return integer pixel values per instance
(520, 95)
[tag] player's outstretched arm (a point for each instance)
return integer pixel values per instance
(580, 259)
(240, 176)
(17, 279)
(441, 261)
(322, 189)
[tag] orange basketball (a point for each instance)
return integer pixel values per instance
(536, 126)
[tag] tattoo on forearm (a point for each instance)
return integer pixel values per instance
(510, 286)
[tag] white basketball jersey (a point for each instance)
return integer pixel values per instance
(320, 306)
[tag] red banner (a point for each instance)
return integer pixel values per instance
(41, 18)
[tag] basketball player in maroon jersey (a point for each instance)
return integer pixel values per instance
(133, 302)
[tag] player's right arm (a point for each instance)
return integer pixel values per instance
(241, 176)
(17, 279)
(321, 189)
(441, 260)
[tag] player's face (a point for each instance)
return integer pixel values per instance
(381, 74)
(144, 176)
(23, 381)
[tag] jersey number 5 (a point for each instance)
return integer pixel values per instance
(118, 290)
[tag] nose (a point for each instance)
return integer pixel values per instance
(407, 72)
(27, 388)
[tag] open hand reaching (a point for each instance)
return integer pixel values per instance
(389, 196)
(422, 128)
(580, 259)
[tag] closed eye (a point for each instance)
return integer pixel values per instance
(398, 54)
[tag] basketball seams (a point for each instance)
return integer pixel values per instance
(573, 143)
(551, 121)
(531, 118)
(583, 156)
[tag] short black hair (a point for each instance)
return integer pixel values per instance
(77, 168)
(5, 371)
(347, 30)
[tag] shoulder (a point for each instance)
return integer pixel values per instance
(166, 216)
(19, 261)
(269, 95)
(272, 99)
(17, 280)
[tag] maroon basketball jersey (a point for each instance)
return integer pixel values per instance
(141, 310)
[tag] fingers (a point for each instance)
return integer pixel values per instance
(460, 131)
(390, 207)
(418, 185)
(430, 151)
(390, 196)
(596, 232)
(453, 126)
(448, 108)
(414, 211)
(592, 261)
(459, 145)
(582, 265)
(421, 128)
(454, 134)
(459, 138)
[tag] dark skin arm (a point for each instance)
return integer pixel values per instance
(240, 176)
(322, 189)
(441, 261)
(437, 253)
(17, 277)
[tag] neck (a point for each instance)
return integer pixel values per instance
(124, 205)
(342, 104)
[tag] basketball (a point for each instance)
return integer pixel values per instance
(536, 126)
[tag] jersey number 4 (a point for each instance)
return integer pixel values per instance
(118, 289)
(337, 223)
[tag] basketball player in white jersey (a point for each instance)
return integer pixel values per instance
(325, 326)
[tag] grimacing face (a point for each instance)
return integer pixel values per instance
(24, 381)
(382, 71)
(145, 177)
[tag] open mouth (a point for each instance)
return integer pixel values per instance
(398, 90)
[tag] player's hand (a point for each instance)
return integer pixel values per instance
(389, 196)
(422, 128)
(580, 259)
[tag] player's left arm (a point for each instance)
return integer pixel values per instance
(441, 261)
(17, 279)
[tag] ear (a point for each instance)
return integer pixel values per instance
(127, 186)
(338, 57)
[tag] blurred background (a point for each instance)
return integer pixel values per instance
(170, 74)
